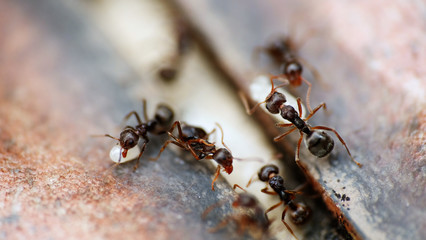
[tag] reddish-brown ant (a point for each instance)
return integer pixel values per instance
(248, 215)
(282, 52)
(130, 136)
(299, 212)
(194, 140)
(319, 142)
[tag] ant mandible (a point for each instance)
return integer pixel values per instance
(195, 140)
(299, 212)
(250, 216)
(282, 52)
(319, 142)
(129, 137)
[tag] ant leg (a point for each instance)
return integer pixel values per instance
(266, 190)
(272, 208)
(173, 128)
(278, 138)
(283, 124)
(293, 192)
(286, 225)
(308, 94)
(280, 77)
(298, 154)
(211, 207)
(341, 140)
(222, 224)
(188, 146)
(199, 140)
(299, 106)
(140, 154)
(315, 110)
(273, 88)
(216, 176)
(301, 187)
(129, 115)
(238, 186)
(251, 180)
(164, 147)
(145, 115)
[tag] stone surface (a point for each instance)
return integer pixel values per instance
(370, 57)
(58, 87)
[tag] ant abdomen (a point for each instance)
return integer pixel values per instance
(301, 214)
(164, 115)
(266, 171)
(163, 119)
(319, 143)
(191, 132)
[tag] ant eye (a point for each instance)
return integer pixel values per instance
(130, 142)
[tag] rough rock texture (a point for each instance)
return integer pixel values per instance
(371, 57)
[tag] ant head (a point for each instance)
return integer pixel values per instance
(301, 214)
(266, 171)
(293, 71)
(277, 183)
(191, 132)
(274, 102)
(277, 47)
(128, 139)
(245, 200)
(167, 73)
(224, 158)
(319, 143)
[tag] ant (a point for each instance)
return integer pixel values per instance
(184, 41)
(194, 140)
(248, 215)
(281, 51)
(299, 212)
(129, 137)
(319, 142)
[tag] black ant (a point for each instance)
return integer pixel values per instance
(129, 137)
(248, 215)
(319, 142)
(194, 139)
(281, 51)
(299, 212)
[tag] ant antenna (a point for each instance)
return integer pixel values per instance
(223, 143)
